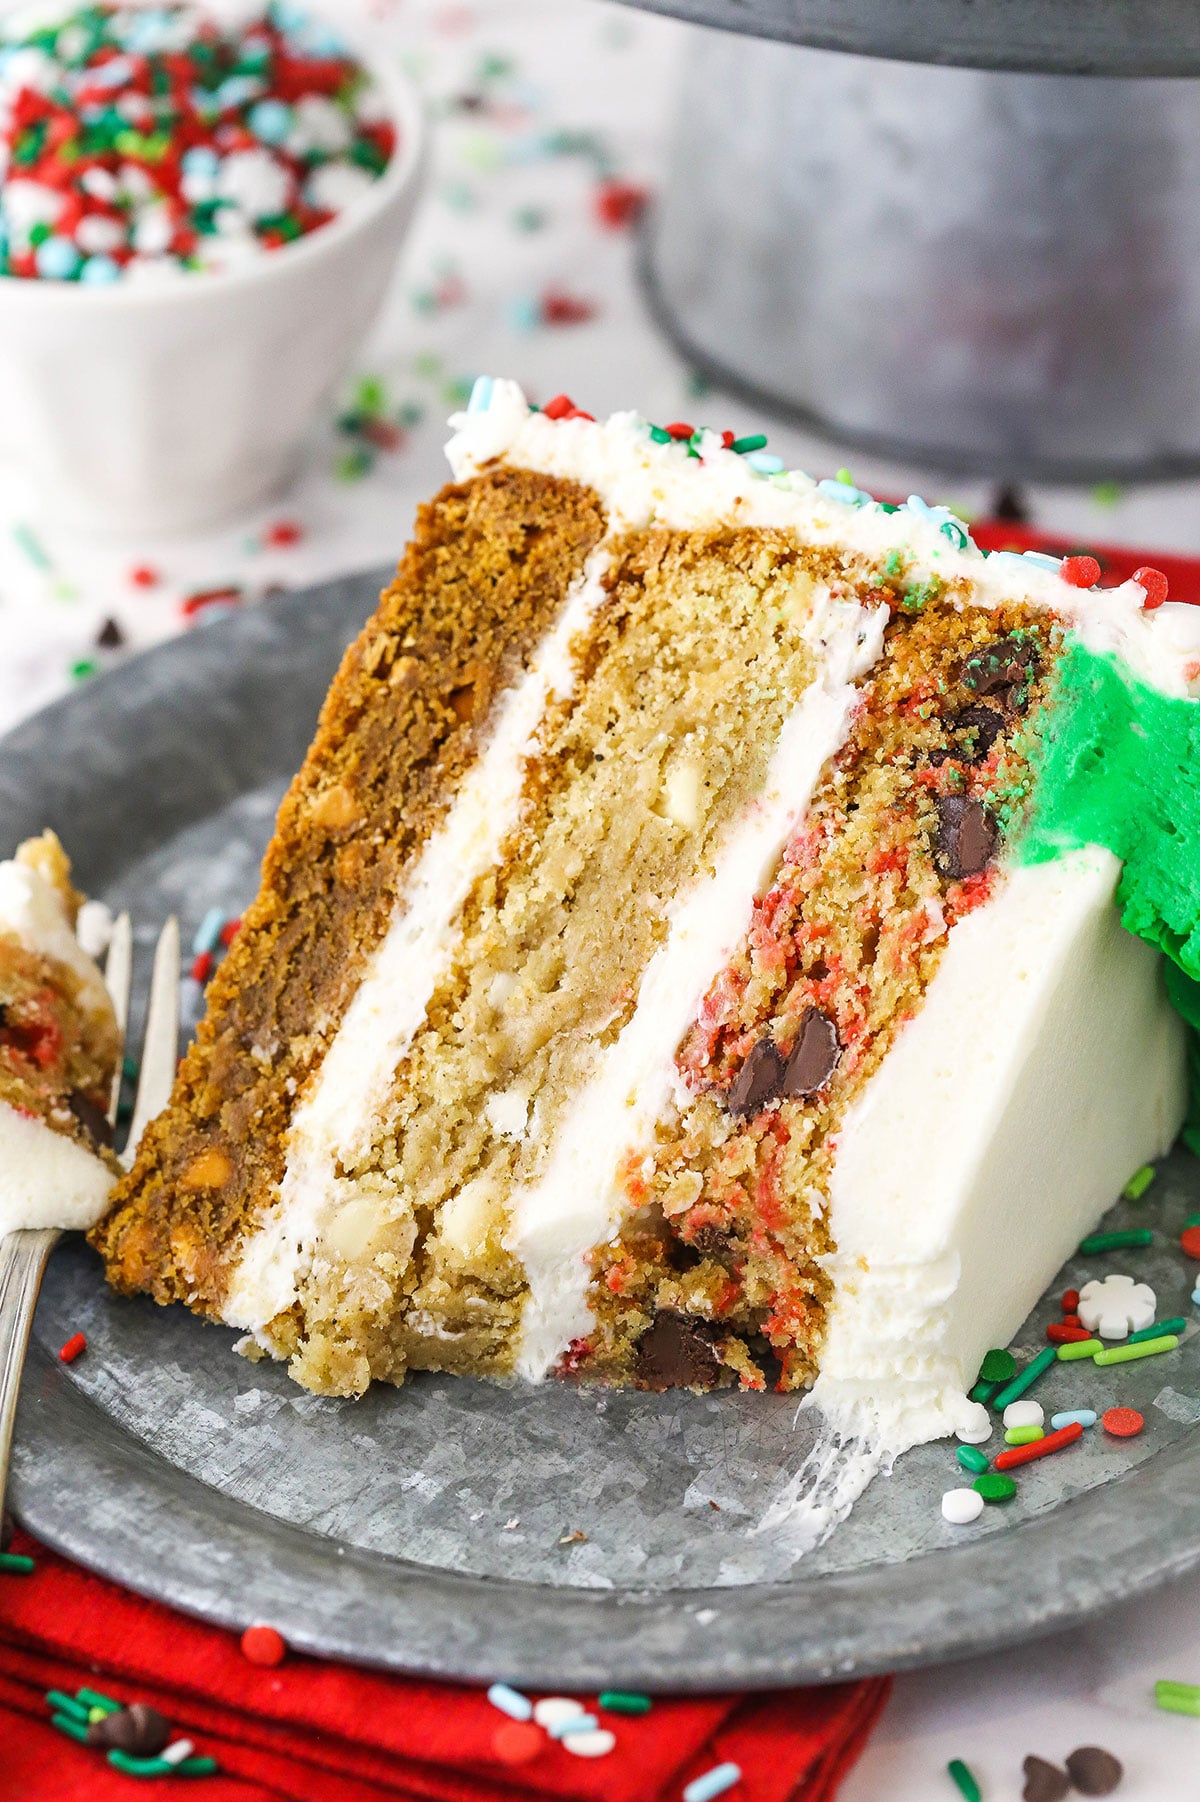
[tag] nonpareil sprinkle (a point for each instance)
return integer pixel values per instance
(143, 143)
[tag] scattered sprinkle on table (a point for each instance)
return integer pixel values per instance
(1093, 1771)
(517, 1742)
(1086, 1417)
(1139, 1182)
(1145, 1348)
(596, 1742)
(1042, 1448)
(621, 1701)
(1122, 1423)
(1189, 1241)
(1023, 1435)
(961, 1506)
(1024, 1414)
(1159, 1329)
(1079, 1348)
(71, 1350)
(1026, 1378)
(1127, 1241)
(961, 1777)
(972, 1459)
(15, 1564)
(510, 1702)
(578, 1721)
(1177, 1698)
(552, 1710)
(263, 1645)
(712, 1783)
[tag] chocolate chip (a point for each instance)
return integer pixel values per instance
(91, 1117)
(757, 1082)
(711, 1241)
(1009, 504)
(814, 1056)
(139, 1730)
(979, 727)
(966, 837)
(675, 1352)
(1044, 1782)
(1003, 665)
(110, 636)
(1093, 1771)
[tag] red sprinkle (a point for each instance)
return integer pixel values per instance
(1153, 584)
(263, 1645)
(1060, 1333)
(230, 931)
(1039, 1448)
(202, 967)
(1071, 1320)
(559, 407)
(679, 430)
(1122, 1423)
(1070, 1300)
(208, 597)
(619, 203)
(1080, 572)
(283, 533)
(727, 440)
(144, 575)
(71, 1350)
(516, 1742)
(559, 308)
(1189, 1241)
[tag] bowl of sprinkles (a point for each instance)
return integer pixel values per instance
(200, 210)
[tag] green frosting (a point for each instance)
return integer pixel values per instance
(1117, 763)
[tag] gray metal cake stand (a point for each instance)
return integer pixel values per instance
(990, 267)
(559, 1537)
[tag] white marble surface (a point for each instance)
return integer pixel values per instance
(510, 215)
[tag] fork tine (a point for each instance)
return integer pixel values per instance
(118, 974)
(160, 1045)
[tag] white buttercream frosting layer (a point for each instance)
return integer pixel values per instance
(645, 483)
(1044, 1066)
(46, 1179)
(334, 1122)
(576, 1200)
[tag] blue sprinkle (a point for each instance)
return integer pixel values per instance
(525, 313)
(766, 463)
(1196, 1295)
(842, 491)
(712, 1783)
(1007, 557)
(510, 1702)
(208, 932)
(238, 90)
(1085, 1416)
(480, 401)
(200, 160)
(99, 271)
(915, 504)
(1042, 560)
(57, 259)
(575, 1723)
(270, 120)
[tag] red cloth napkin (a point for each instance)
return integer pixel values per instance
(309, 1731)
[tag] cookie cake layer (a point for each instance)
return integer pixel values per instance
(691, 952)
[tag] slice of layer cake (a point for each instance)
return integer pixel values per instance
(59, 1047)
(691, 951)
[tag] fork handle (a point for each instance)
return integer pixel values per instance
(23, 1258)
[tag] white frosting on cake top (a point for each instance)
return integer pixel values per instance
(642, 483)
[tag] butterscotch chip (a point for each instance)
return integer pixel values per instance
(462, 701)
(336, 808)
(209, 1169)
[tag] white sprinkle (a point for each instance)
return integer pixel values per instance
(961, 1506)
(552, 1709)
(177, 1751)
(1116, 1306)
(1024, 1414)
(978, 1429)
(590, 1745)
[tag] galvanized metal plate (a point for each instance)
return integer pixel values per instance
(1065, 37)
(555, 1536)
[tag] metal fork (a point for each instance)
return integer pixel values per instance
(23, 1255)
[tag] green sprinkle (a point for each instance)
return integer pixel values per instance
(994, 1486)
(961, 1777)
(1025, 1379)
(1149, 1348)
(1079, 1348)
(16, 1564)
(998, 1366)
(1159, 1330)
(1139, 1182)
(370, 396)
(844, 477)
(1192, 1220)
(1023, 1435)
(659, 436)
(83, 667)
(73, 1728)
(161, 1767)
(1177, 1698)
(1096, 1242)
(983, 1392)
(751, 442)
(64, 1704)
(620, 1701)
(971, 1458)
(1106, 494)
(94, 1699)
(28, 541)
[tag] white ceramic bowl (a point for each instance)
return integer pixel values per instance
(158, 409)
